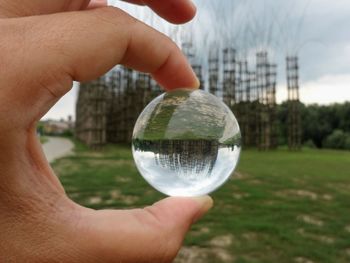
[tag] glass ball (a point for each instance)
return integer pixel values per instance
(186, 143)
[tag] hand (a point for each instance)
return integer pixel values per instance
(43, 48)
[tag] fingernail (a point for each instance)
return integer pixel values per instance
(193, 6)
(206, 203)
(197, 83)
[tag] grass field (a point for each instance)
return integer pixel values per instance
(279, 207)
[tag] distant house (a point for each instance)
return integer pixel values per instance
(58, 127)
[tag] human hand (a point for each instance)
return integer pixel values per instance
(43, 48)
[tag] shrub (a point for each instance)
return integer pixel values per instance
(310, 144)
(336, 140)
(347, 142)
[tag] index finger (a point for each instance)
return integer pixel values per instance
(175, 11)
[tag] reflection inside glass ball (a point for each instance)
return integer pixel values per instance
(186, 143)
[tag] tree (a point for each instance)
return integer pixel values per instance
(336, 140)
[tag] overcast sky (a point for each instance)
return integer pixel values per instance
(317, 30)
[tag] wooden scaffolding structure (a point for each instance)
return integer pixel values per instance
(229, 77)
(262, 127)
(188, 50)
(91, 113)
(266, 128)
(243, 108)
(294, 116)
(108, 108)
(214, 71)
(115, 118)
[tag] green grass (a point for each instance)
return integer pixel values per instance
(43, 139)
(172, 115)
(280, 207)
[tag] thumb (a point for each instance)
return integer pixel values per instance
(152, 234)
(181, 210)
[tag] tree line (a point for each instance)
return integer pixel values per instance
(323, 126)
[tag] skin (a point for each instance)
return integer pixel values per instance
(43, 48)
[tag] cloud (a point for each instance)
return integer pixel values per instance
(325, 90)
(324, 40)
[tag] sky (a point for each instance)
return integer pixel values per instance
(318, 31)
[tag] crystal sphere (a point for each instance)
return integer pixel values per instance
(186, 143)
